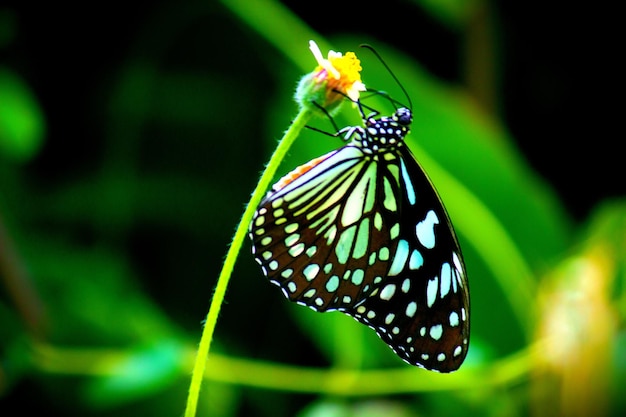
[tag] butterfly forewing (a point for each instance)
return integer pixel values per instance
(319, 234)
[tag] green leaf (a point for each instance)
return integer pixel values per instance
(372, 408)
(451, 13)
(83, 290)
(22, 125)
(143, 372)
(342, 340)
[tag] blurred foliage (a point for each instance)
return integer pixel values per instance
(22, 124)
(119, 195)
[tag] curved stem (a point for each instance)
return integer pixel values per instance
(341, 382)
(220, 290)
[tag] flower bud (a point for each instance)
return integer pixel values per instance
(333, 79)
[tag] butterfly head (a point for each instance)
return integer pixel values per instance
(387, 132)
(403, 116)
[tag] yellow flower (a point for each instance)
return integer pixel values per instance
(334, 78)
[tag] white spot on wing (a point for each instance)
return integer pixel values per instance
(311, 271)
(454, 319)
(436, 331)
(425, 230)
(400, 258)
(388, 292)
(416, 260)
(431, 291)
(446, 279)
(406, 285)
(408, 185)
(411, 308)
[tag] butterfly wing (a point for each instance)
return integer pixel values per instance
(422, 309)
(320, 233)
(369, 236)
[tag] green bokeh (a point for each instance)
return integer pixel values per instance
(120, 192)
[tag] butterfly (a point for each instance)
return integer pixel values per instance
(363, 231)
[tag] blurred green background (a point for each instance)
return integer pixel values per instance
(131, 137)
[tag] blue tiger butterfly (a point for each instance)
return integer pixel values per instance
(363, 231)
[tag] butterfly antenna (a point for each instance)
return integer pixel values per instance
(328, 115)
(371, 48)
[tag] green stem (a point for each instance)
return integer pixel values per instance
(220, 290)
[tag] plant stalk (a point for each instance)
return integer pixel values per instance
(240, 234)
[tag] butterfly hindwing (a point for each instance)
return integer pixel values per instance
(421, 310)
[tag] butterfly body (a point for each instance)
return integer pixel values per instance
(362, 230)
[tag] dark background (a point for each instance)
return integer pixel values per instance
(556, 83)
(559, 81)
